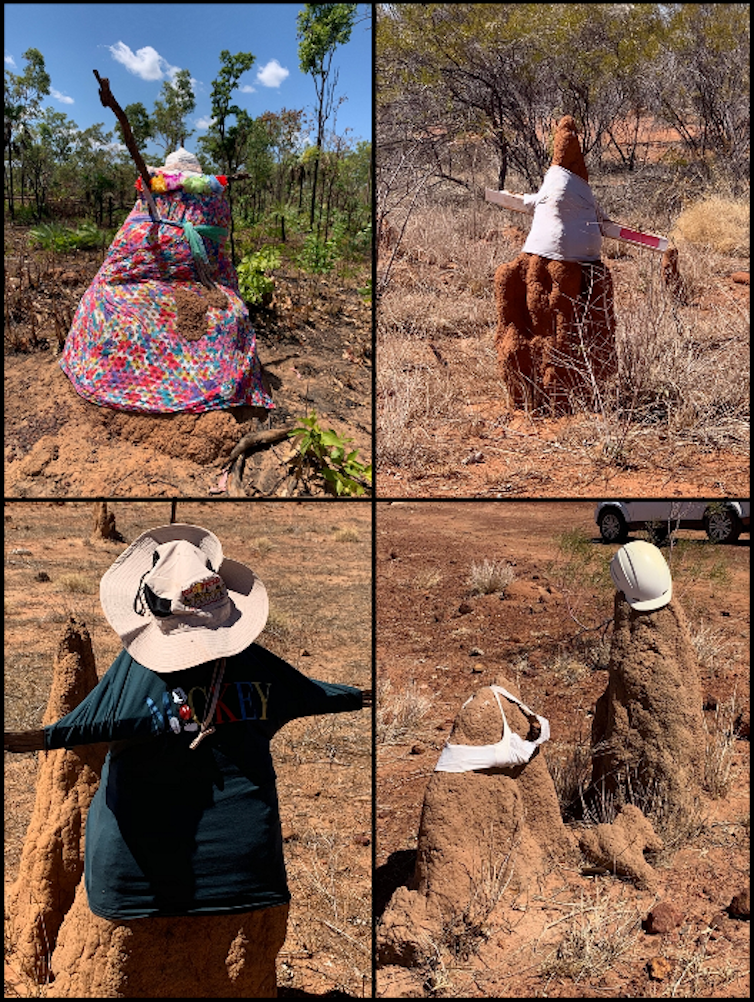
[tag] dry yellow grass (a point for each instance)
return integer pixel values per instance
(719, 223)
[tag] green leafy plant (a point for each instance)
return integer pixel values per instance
(254, 280)
(318, 256)
(327, 454)
(59, 239)
(366, 291)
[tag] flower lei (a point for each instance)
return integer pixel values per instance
(196, 184)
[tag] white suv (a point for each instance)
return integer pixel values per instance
(723, 521)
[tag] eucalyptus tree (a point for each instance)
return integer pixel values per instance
(322, 27)
(23, 96)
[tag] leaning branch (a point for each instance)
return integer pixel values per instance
(108, 101)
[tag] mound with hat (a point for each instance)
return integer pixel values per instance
(162, 328)
(555, 335)
(184, 828)
(648, 736)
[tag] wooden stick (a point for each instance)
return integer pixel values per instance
(108, 101)
(23, 741)
(235, 479)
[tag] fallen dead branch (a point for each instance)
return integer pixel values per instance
(255, 439)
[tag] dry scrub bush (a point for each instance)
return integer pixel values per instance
(718, 753)
(416, 392)
(489, 577)
(399, 713)
(719, 223)
(570, 765)
(686, 375)
(346, 535)
(76, 584)
(709, 645)
(597, 931)
(337, 917)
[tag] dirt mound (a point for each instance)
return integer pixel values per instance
(481, 833)
(566, 151)
(648, 735)
(201, 438)
(619, 847)
(53, 855)
(555, 336)
(554, 332)
(228, 956)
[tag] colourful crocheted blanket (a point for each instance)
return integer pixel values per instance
(148, 336)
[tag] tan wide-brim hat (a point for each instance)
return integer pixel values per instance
(176, 601)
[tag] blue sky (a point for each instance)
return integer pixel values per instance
(138, 46)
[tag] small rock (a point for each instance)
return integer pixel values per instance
(476, 652)
(41, 576)
(741, 277)
(21, 552)
(609, 980)
(417, 750)
(362, 840)
(43, 453)
(305, 653)
(662, 919)
(659, 968)
(710, 702)
(739, 907)
(719, 921)
(465, 608)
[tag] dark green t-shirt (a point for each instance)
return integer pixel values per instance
(180, 831)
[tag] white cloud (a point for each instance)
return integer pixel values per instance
(204, 123)
(146, 63)
(10, 61)
(273, 74)
(248, 89)
(63, 98)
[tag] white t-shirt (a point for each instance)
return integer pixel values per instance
(566, 219)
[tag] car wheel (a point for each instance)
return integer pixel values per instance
(722, 526)
(612, 526)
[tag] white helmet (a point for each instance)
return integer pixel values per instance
(639, 570)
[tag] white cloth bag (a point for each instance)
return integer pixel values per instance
(566, 219)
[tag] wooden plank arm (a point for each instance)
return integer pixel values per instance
(608, 227)
(23, 741)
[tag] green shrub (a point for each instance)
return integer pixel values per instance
(318, 256)
(325, 453)
(254, 282)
